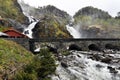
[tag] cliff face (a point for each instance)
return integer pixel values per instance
(50, 27)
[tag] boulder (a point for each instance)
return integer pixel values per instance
(64, 64)
(112, 70)
(96, 57)
(106, 59)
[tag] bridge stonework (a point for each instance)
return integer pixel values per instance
(65, 43)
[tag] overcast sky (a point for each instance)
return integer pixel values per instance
(72, 6)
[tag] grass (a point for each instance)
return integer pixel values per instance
(41, 66)
(11, 9)
(12, 57)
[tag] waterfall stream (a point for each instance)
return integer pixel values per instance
(73, 30)
(28, 31)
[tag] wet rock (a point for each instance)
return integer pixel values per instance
(110, 46)
(99, 66)
(64, 64)
(51, 49)
(112, 70)
(118, 68)
(79, 56)
(96, 57)
(106, 60)
(94, 47)
(74, 47)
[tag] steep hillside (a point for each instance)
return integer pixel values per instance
(50, 27)
(93, 12)
(52, 10)
(12, 58)
(11, 9)
(40, 12)
(95, 23)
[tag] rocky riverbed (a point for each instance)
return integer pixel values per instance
(88, 65)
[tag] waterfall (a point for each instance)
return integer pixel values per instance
(73, 30)
(26, 11)
(28, 30)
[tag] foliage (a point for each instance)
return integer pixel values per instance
(11, 9)
(42, 65)
(12, 57)
(105, 28)
(25, 76)
(93, 12)
(49, 27)
(118, 15)
(65, 53)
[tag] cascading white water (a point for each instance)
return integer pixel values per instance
(26, 10)
(73, 30)
(80, 67)
(28, 31)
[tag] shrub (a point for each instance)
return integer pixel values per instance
(42, 65)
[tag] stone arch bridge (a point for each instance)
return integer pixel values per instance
(84, 44)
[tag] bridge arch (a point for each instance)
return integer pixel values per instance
(94, 47)
(74, 47)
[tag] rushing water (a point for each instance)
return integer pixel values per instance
(81, 67)
(28, 30)
(73, 31)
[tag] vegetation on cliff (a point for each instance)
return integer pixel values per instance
(95, 23)
(11, 9)
(17, 63)
(50, 27)
(12, 58)
(93, 12)
(40, 68)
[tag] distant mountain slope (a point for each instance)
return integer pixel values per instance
(96, 23)
(93, 12)
(52, 10)
(40, 12)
